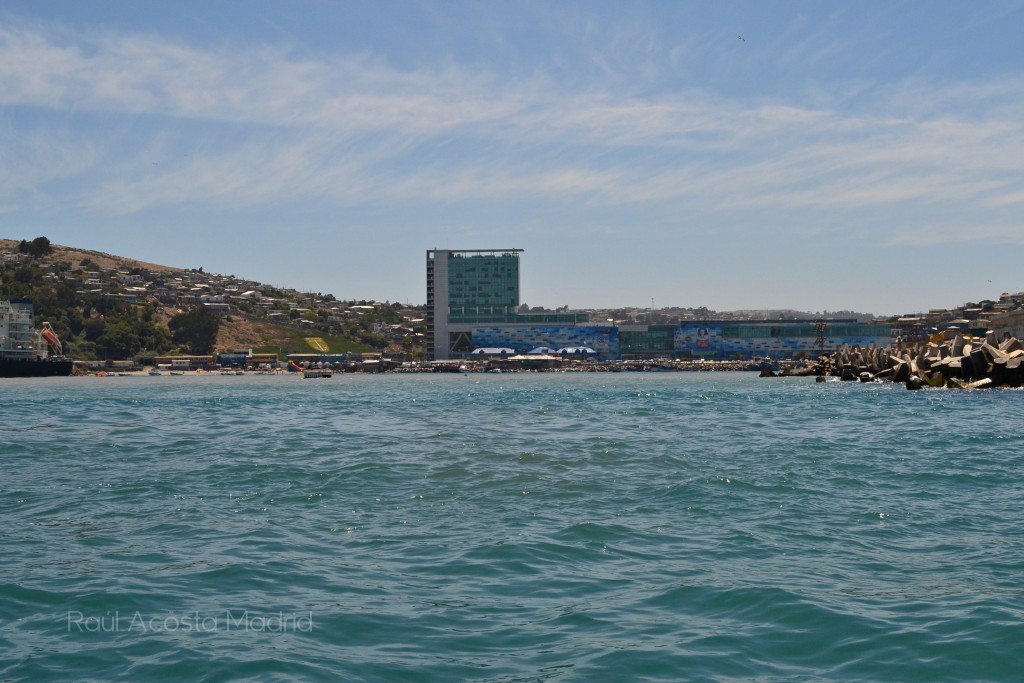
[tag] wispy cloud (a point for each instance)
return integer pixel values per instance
(353, 129)
(941, 232)
(1007, 199)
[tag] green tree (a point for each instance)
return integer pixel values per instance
(94, 329)
(37, 248)
(153, 338)
(195, 329)
(41, 247)
(25, 275)
(120, 340)
(73, 321)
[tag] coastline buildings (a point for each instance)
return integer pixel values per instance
(469, 290)
(1007, 317)
(473, 301)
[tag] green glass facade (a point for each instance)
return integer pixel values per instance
(798, 330)
(482, 287)
(657, 341)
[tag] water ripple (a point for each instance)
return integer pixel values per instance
(509, 528)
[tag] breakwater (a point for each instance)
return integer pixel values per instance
(945, 360)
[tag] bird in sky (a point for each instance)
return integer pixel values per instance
(741, 38)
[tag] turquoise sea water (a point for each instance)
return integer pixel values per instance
(541, 527)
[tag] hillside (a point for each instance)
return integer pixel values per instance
(75, 255)
(106, 306)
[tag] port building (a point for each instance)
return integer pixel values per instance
(473, 295)
(473, 303)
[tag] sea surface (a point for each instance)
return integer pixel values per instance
(509, 527)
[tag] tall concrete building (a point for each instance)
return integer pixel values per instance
(468, 287)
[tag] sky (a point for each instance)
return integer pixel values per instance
(820, 156)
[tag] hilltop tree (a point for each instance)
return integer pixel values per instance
(37, 248)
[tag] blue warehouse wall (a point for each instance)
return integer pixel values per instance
(698, 340)
(602, 338)
(707, 341)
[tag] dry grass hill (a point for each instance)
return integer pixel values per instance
(103, 260)
(236, 331)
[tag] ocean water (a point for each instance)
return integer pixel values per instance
(534, 527)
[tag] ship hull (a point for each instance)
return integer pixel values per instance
(35, 368)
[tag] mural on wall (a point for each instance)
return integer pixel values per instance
(696, 340)
(604, 339)
(706, 340)
(703, 340)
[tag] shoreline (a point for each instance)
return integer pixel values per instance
(471, 367)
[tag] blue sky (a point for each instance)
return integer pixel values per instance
(811, 155)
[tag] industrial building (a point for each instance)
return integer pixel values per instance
(472, 290)
(473, 301)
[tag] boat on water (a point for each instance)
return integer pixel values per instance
(316, 373)
(26, 351)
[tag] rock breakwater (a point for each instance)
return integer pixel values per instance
(945, 360)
